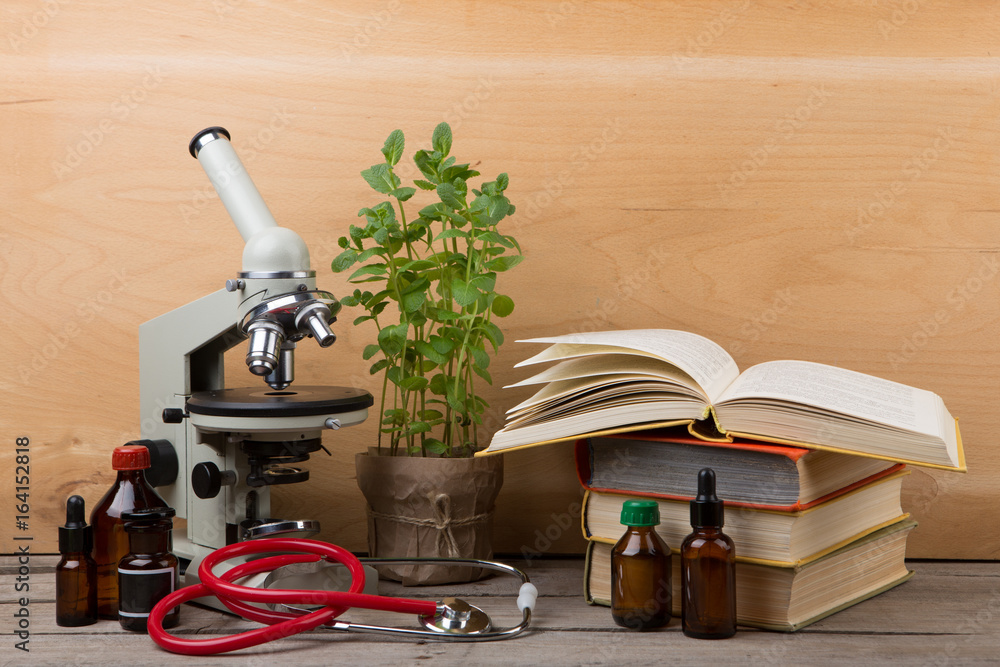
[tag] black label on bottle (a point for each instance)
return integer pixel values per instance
(140, 590)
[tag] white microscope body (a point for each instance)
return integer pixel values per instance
(217, 451)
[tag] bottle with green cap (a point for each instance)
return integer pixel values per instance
(708, 568)
(640, 570)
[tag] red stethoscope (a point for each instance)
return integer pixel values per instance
(450, 619)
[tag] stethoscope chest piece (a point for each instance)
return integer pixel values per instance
(457, 617)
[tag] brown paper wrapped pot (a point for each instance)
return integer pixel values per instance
(421, 507)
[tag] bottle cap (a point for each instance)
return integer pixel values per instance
(640, 513)
(149, 514)
(130, 457)
(76, 535)
(706, 508)
(148, 519)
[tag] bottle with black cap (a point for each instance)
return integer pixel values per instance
(149, 572)
(708, 568)
(76, 573)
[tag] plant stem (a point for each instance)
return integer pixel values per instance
(402, 217)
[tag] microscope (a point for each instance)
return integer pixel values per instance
(216, 451)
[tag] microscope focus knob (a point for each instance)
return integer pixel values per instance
(207, 480)
(173, 415)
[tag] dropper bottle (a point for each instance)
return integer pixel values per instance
(708, 568)
(76, 573)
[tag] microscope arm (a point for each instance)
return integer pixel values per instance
(181, 352)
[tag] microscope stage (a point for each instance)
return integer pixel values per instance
(257, 402)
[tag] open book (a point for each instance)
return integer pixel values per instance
(617, 381)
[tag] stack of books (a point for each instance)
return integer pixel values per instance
(809, 460)
(814, 531)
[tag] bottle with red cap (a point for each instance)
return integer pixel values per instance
(130, 492)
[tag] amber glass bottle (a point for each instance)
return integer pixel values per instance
(76, 573)
(640, 570)
(148, 573)
(708, 568)
(129, 492)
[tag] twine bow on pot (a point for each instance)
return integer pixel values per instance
(442, 522)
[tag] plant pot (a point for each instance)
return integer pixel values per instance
(421, 507)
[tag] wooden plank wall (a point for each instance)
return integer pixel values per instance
(806, 180)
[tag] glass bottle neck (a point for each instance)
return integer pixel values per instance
(132, 476)
(150, 542)
(707, 530)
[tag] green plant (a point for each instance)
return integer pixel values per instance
(440, 271)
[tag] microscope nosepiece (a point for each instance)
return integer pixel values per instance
(266, 338)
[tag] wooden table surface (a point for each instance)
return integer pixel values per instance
(947, 614)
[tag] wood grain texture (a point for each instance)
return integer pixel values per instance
(805, 180)
(945, 613)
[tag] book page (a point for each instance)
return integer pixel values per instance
(606, 384)
(705, 361)
(609, 364)
(841, 390)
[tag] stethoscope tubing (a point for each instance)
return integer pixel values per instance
(279, 624)
(282, 624)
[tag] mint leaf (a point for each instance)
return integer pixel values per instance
(504, 263)
(485, 282)
(344, 260)
(370, 270)
(426, 164)
(411, 302)
(417, 427)
(441, 139)
(435, 446)
(465, 294)
(483, 373)
(393, 148)
(414, 383)
(426, 349)
(452, 233)
(439, 384)
(502, 306)
(402, 194)
(380, 178)
(449, 195)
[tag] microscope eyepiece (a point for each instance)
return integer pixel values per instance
(205, 136)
